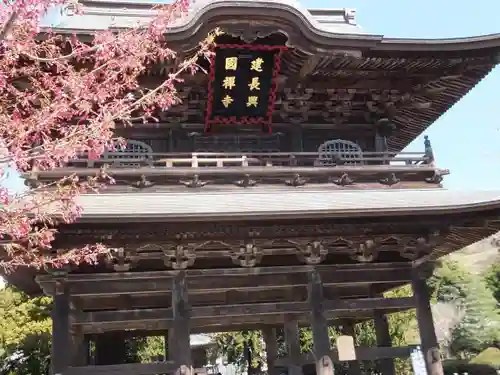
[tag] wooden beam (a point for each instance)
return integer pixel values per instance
(362, 354)
(239, 323)
(225, 272)
(179, 172)
(204, 298)
(124, 369)
(160, 281)
(202, 312)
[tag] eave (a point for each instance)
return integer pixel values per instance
(282, 203)
(466, 217)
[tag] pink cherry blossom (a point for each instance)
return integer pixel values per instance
(59, 98)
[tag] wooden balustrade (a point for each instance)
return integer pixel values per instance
(251, 159)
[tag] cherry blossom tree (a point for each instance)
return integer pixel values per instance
(61, 97)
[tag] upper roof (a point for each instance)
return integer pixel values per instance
(339, 71)
(103, 14)
(333, 27)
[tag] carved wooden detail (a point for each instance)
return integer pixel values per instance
(295, 104)
(59, 286)
(248, 254)
(364, 251)
(251, 34)
(179, 256)
(414, 248)
(123, 259)
(310, 252)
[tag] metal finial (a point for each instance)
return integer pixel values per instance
(429, 154)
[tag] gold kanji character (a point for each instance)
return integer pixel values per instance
(229, 83)
(254, 84)
(231, 63)
(226, 102)
(256, 64)
(252, 101)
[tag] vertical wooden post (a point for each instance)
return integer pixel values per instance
(321, 340)
(348, 329)
(80, 349)
(166, 346)
(430, 346)
(292, 340)
(386, 365)
(271, 349)
(60, 330)
(180, 308)
(171, 344)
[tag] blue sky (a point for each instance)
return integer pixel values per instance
(465, 139)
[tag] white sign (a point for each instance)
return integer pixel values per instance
(345, 347)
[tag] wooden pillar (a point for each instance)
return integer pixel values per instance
(292, 341)
(169, 344)
(81, 350)
(321, 340)
(271, 349)
(430, 346)
(60, 330)
(386, 365)
(180, 308)
(348, 330)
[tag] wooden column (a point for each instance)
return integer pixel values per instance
(321, 340)
(61, 341)
(271, 349)
(166, 347)
(292, 341)
(81, 350)
(348, 330)
(386, 365)
(430, 346)
(180, 340)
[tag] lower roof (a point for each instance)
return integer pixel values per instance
(278, 202)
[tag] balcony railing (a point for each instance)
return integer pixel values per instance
(338, 161)
(253, 159)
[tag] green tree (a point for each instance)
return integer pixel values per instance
(25, 333)
(400, 324)
(480, 326)
(236, 346)
(492, 279)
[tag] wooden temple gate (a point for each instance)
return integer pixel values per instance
(288, 274)
(218, 227)
(71, 332)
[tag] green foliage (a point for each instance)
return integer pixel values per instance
(25, 333)
(480, 326)
(489, 356)
(146, 349)
(232, 345)
(452, 367)
(492, 279)
(399, 324)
